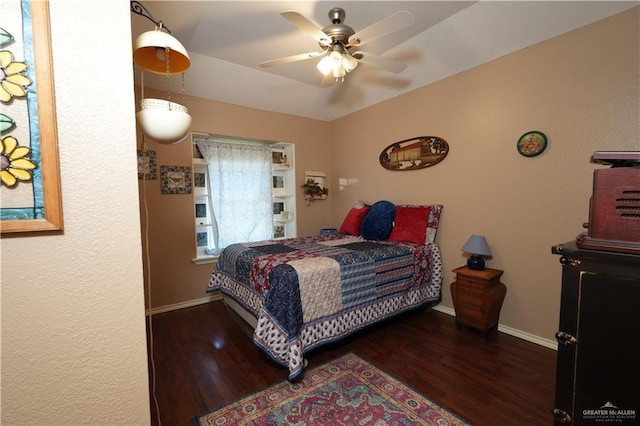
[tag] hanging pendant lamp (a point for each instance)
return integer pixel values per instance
(150, 50)
(164, 121)
(159, 52)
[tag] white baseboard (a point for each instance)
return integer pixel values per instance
(547, 343)
(445, 310)
(182, 305)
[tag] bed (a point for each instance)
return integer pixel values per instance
(300, 293)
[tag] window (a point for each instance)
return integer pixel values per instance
(234, 187)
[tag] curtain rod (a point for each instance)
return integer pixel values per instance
(205, 137)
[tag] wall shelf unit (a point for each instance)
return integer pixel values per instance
(204, 222)
(283, 190)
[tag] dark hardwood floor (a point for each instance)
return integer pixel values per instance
(203, 360)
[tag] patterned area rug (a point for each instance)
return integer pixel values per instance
(347, 391)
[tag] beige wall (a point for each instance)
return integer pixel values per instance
(175, 279)
(73, 327)
(581, 89)
(73, 336)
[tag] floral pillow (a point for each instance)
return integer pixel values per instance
(416, 224)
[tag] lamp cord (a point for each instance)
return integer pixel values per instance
(148, 262)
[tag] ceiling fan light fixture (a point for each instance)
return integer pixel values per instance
(338, 62)
(339, 73)
(329, 63)
(349, 63)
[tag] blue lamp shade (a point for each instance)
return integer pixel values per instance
(477, 247)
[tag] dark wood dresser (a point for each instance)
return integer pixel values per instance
(598, 364)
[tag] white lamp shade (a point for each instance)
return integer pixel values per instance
(339, 72)
(327, 64)
(477, 245)
(164, 121)
(338, 63)
(349, 63)
(149, 52)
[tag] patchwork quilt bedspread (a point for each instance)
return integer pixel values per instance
(308, 291)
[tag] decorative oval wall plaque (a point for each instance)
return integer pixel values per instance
(415, 153)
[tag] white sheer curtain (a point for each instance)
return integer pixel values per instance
(240, 181)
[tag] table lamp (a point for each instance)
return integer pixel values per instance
(477, 247)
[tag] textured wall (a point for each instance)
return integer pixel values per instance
(582, 89)
(73, 328)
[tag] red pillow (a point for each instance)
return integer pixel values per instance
(411, 224)
(351, 223)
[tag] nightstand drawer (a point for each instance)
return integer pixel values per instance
(469, 297)
(473, 282)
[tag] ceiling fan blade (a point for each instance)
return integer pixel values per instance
(307, 26)
(379, 61)
(290, 59)
(388, 25)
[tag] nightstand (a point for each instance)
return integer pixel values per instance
(477, 298)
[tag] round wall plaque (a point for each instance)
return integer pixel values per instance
(532, 143)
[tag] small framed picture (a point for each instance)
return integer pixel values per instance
(147, 168)
(278, 207)
(201, 239)
(279, 159)
(199, 180)
(175, 179)
(276, 157)
(278, 182)
(278, 231)
(201, 210)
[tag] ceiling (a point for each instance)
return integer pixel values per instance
(227, 40)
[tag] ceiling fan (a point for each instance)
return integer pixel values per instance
(340, 43)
